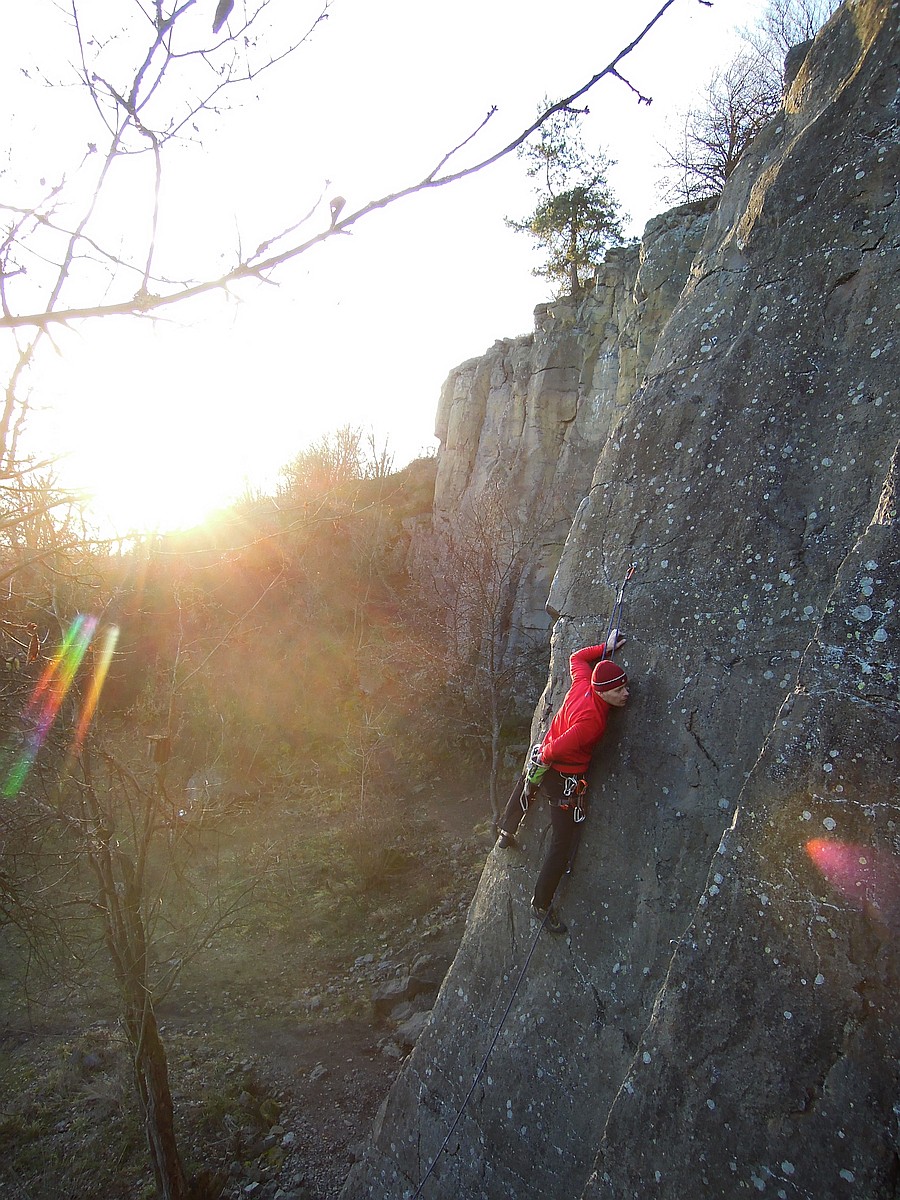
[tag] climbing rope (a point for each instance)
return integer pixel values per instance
(484, 1061)
(616, 615)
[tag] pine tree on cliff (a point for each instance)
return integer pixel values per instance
(577, 216)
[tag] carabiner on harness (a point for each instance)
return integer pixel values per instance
(535, 771)
(576, 787)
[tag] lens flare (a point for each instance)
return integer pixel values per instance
(868, 879)
(101, 666)
(51, 690)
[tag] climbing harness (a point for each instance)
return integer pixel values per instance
(484, 1061)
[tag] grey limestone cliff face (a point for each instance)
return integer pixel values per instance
(722, 1018)
(529, 417)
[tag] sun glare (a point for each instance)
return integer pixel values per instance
(148, 491)
(152, 471)
(163, 447)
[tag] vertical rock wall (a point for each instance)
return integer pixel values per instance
(771, 1059)
(722, 1018)
(530, 416)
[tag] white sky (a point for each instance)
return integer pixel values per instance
(165, 419)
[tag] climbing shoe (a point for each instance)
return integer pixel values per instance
(507, 841)
(551, 921)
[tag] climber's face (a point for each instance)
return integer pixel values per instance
(617, 697)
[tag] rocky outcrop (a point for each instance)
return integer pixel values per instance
(530, 416)
(723, 1016)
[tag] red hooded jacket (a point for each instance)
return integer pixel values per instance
(581, 721)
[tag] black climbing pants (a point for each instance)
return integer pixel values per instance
(564, 835)
(562, 843)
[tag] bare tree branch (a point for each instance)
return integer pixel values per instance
(260, 268)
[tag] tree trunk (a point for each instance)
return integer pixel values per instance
(574, 282)
(151, 1075)
(126, 937)
(495, 756)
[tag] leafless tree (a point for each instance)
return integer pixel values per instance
(717, 130)
(378, 459)
(738, 101)
(114, 846)
(107, 840)
(328, 464)
(784, 24)
(142, 114)
(467, 584)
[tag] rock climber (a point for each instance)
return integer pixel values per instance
(557, 766)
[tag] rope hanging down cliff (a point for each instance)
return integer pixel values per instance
(481, 1069)
(615, 617)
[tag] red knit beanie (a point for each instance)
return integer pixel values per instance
(606, 675)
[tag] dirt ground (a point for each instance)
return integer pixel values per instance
(331, 1112)
(277, 1073)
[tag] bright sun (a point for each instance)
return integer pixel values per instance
(155, 486)
(166, 442)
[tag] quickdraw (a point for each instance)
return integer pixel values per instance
(534, 773)
(616, 615)
(574, 786)
(577, 787)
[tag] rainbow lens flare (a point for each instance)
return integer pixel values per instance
(101, 666)
(51, 690)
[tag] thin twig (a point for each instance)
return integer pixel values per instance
(259, 269)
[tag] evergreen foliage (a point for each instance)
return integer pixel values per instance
(577, 216)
